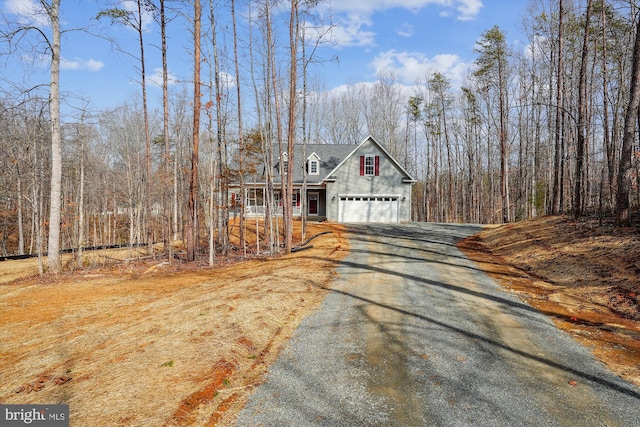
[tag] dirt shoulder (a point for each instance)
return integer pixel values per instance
(142, 344)
(584, 275)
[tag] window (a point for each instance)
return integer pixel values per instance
(313, 167)
(313, 164)
(255, 197)
(369, 165)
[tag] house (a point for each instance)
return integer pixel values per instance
(345, 183)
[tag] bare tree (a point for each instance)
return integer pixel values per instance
(135, 21)
(192, 217)
(291, 129)
(240, 133)
(559, 142)
(492, 69)
(14, 33)
(221, 143)
(383, 112)
(53, 250)
(582, 112)
(439, 86)
(625, 169)
(166, 157)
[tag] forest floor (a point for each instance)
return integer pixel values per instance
(584, 275)
(138, 342)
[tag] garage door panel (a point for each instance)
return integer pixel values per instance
(368, 209)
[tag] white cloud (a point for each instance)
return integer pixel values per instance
(414, 66)
(147, 17)
(227, 81)
(467, 9)
(350, 31)
(405, 30)
(81, 64)
(28, 12)
(352, 18)
(156, 77)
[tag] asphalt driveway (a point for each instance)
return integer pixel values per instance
(413, 334)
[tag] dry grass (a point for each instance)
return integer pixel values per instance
(15, 269)
(140, 344)
(584, 275)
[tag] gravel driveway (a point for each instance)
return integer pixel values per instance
(414, 335)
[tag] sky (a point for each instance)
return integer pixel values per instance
(410, 38)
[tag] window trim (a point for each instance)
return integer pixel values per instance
(369, 169)
(313, 163)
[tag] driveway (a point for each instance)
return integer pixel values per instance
(413, 334)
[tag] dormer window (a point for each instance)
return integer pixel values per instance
(314, 167)
(285, 163)
(313, 164)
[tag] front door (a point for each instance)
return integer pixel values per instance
(313, 203)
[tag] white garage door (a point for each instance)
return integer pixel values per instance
(368, 209)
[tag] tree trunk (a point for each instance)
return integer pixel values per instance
(286, 203)
(559, 142)
(291, 131)
(625, 174)
(242, 194)
(148, 215)
(20, 214)
(166, 160)
(53, 250)
(582, 112)
(504, 148)
(81, 200)
(192, 222)
(223, 190)
(605, 116)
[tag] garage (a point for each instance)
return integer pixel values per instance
(354, 208)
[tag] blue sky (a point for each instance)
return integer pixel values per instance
(407, 37)
(425, 35)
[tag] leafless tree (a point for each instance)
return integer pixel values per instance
(629, 136)
(192, 216)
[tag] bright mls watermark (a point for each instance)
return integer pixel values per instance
(34, 415)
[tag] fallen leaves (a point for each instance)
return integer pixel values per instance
(41, 381)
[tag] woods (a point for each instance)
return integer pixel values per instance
(545, 126)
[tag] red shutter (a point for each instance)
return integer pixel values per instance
(361, 165)
(298, 199)
(377, 164)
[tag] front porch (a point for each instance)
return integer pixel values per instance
(314, 205)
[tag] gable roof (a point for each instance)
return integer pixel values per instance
(408, 178)
(331, 156)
